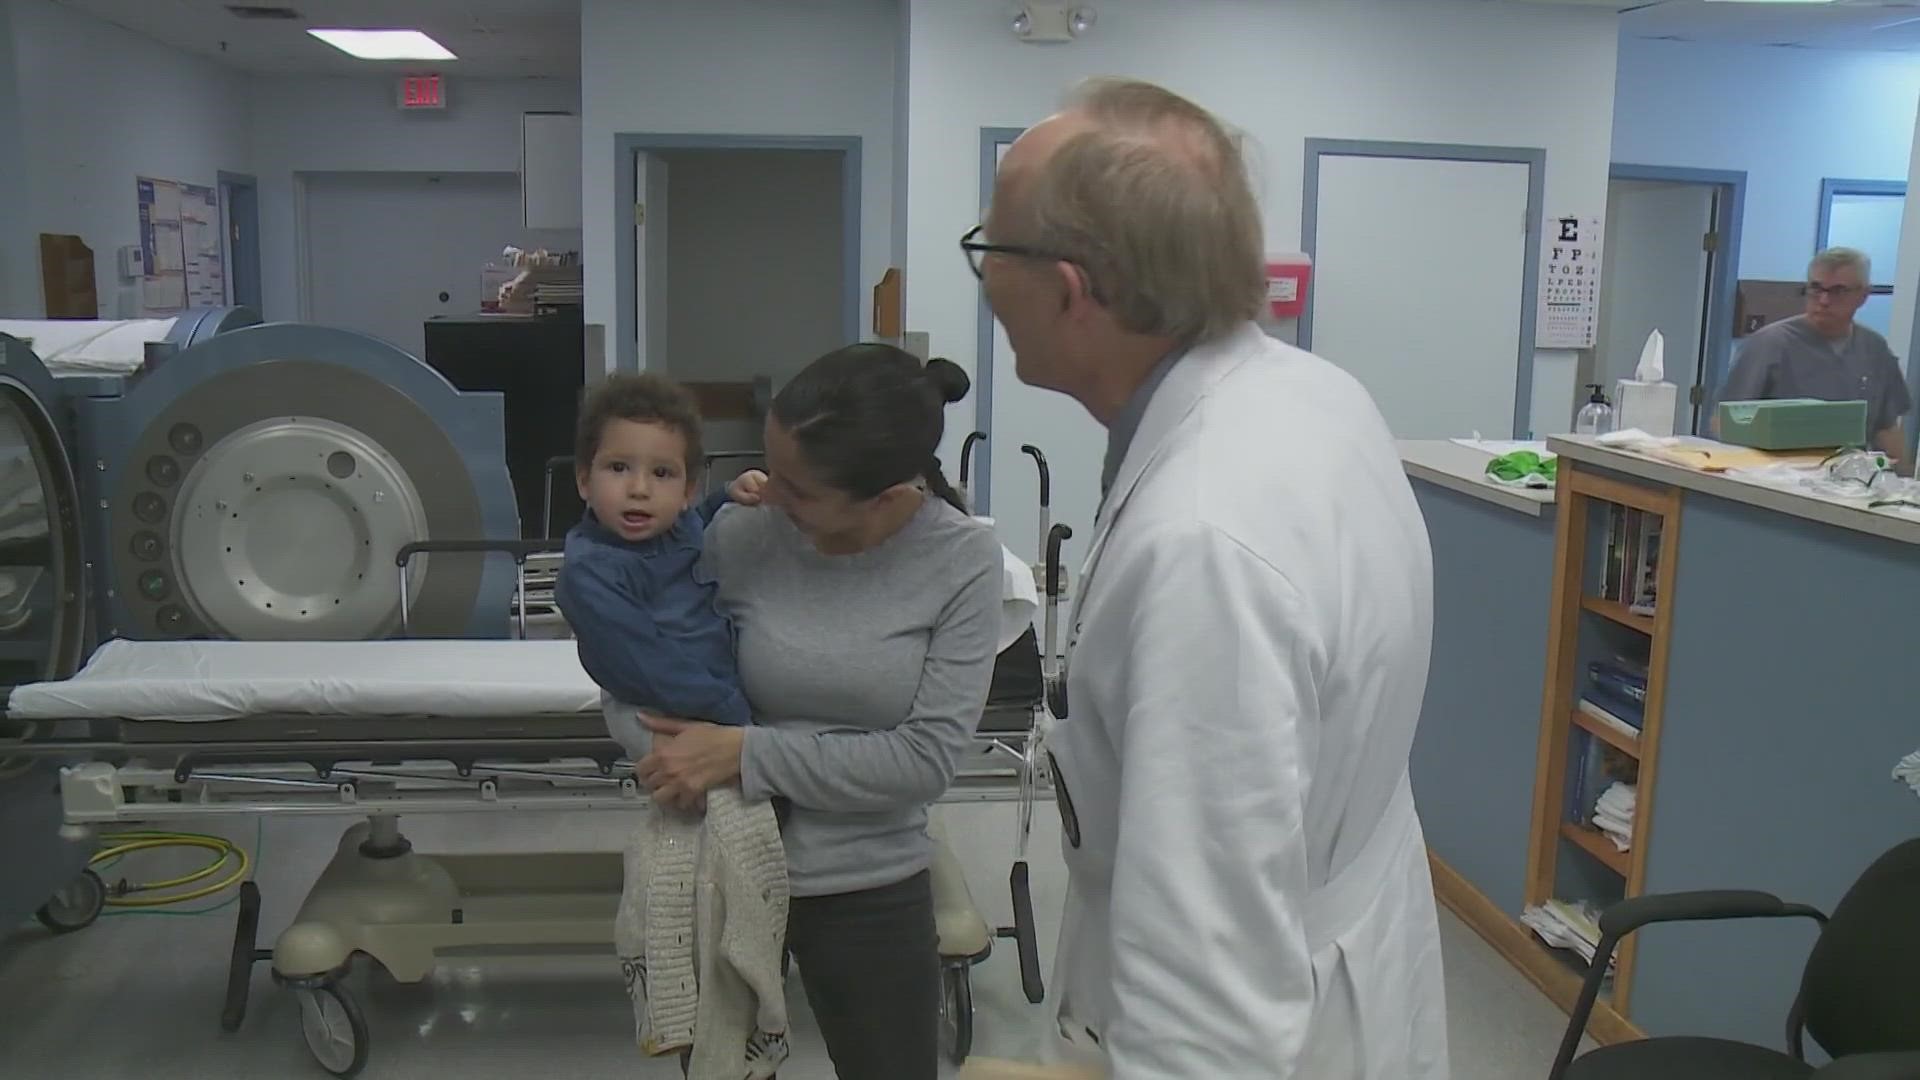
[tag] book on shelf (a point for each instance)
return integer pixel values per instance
(1607, 717)
(1630, 570)
(1595, 766)
(1619, 686)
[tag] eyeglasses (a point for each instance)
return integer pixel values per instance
(976, 250)
(1832, 292)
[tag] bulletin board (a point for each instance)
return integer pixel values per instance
(1569, 283)
(180, 247)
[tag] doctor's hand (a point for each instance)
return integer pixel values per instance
(689, 759)
(746, 488)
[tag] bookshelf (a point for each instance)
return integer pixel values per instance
(1607, 598)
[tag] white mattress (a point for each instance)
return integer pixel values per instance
(89, 346)
(224, 680)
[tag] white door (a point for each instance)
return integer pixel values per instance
(1870, 223)
(1655, 279)
(387, 251)
(1074, 444)
(1420, 298)
(650, 260)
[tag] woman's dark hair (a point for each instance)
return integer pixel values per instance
(869, 416)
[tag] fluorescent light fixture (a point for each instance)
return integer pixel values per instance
(385, 44)
(1770, 1)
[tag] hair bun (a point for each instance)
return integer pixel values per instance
(949, 378)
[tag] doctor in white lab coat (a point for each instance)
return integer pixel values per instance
(1249, 894)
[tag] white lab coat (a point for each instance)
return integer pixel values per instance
(1248, 892)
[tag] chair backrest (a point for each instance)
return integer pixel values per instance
(1861, 989)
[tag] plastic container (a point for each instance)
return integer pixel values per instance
(1596, 416)
(1793, 424)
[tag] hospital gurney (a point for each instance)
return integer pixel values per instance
(209, 729)
(203, 729)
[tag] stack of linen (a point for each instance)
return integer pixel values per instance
(1613, 814)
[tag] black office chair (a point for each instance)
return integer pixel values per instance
(1859, 995)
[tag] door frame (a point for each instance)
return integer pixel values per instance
(629, 185)
(1831, 186)
(1724, 278)
(991, 140)
(1534, 158)
(250, 221)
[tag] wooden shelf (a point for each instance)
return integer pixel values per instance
(1596, 844)
(1607, 733)
(1618, 612)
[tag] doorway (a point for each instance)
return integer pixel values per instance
(1865, 215)
(240, 232)
(1671, 257)
(1431, 308)
(1012, 414)
(744, 267)
(386, 251)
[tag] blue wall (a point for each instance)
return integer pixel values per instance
(1788, 117)
(1473, 756)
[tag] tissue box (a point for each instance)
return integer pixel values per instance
(1644, 405)
(1793, 424)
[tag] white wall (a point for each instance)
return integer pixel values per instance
(351, 125)
(1434, 71)
(100, 106)
(734, 67)
(1787, 117)
(753, 278)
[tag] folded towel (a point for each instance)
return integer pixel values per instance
(1909, 771)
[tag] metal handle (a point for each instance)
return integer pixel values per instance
(1046, 476)
(1046, 491)
(1058, 535)
(546, 511)
(966, 454)
(518, 549)
(1049, 663)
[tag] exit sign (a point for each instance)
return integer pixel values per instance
(422, 92)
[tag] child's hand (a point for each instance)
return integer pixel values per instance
(746, 488)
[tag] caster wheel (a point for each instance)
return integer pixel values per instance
(75, 906)
(956, 1012)
(335, 1029)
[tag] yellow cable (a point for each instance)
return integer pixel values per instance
(120, 844)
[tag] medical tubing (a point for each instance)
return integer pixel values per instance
(125, 894)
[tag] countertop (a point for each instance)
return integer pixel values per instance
(1833, 512)
(1463, 469)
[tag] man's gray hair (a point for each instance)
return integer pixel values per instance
(1844, 258)
(1153, 202)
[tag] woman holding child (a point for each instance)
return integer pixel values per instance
(865, 601)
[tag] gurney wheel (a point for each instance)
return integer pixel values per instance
(956, 1011)
(335, 1029)
(75, 906)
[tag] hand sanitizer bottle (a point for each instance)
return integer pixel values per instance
(1596, 416)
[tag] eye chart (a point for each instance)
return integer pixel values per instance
(1569, 283)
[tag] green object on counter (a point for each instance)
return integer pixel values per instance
(1793, 424)
(1524, 467)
